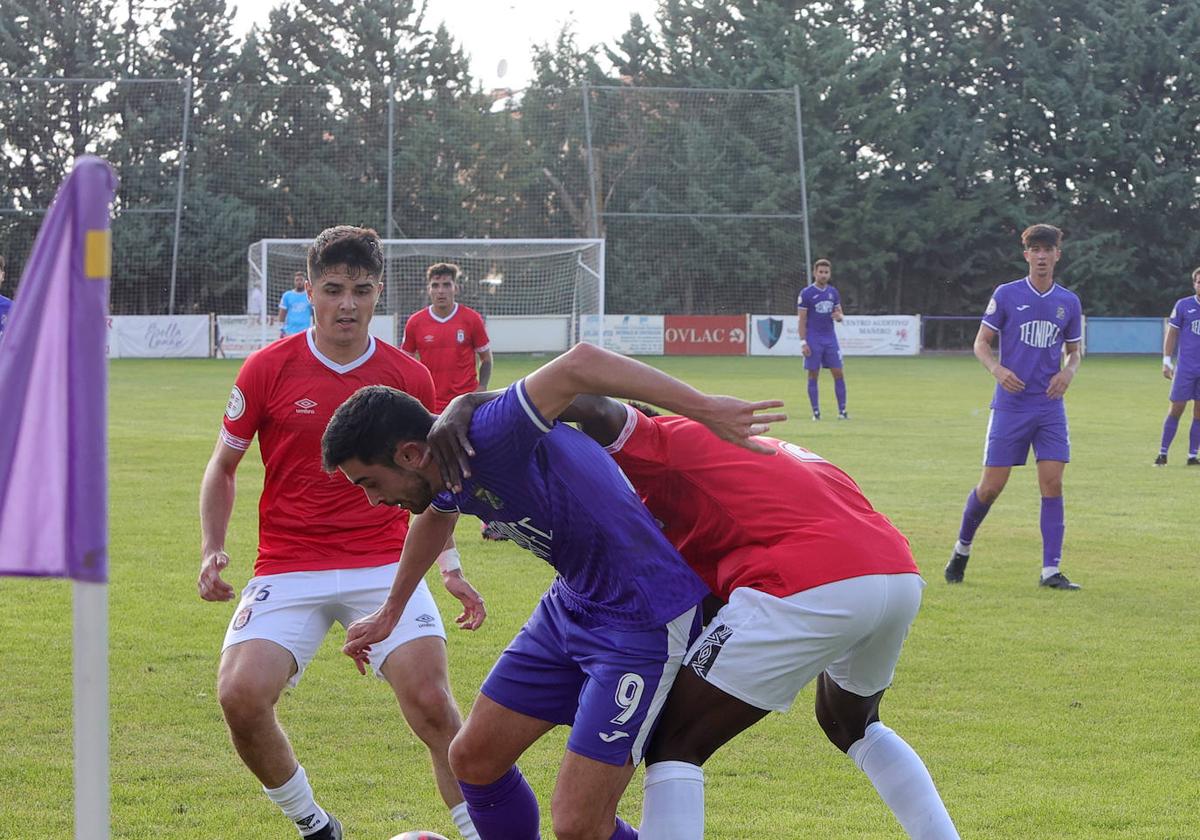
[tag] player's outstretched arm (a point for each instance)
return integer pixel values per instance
(217, 492)
(587, 369)
(427, 535)
(1008, 380)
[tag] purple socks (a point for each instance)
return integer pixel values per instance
(973, 515)
(1194, 438)
(1170, 425)
(1052, 530)
(504, 810)
(839, 388)
(812, 396)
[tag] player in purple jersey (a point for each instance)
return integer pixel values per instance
(602, 647)
(1183, 331)
(1034, 318)
(818, 306)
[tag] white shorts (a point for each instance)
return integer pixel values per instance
(763, 650)
(296, 609)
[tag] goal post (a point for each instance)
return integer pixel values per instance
(534, 294)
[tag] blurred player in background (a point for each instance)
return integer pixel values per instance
(601, 649)
(295, 309)
(1034, 318)
(1183, 331)
(5, 303)
(323, 554)
(826, 590)
(817, 308)
(447, 337)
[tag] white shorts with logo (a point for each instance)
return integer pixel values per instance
(763, 650)
(296, 609)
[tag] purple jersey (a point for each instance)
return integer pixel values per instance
(1185, 320)
(1032, 327)
(552, 490)
(820, 304)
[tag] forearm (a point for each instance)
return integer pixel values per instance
(485, 372)
(983, 352)
(428, 534)
(1074, 358)
(1170, 340)
(802, 324)
(217, 493)
(590, 370)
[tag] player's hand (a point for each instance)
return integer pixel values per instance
(1059, 383)
(209, 584)
(1008, 380)
(367, 631)
(1168, 372)
(448, 443)
(738, 421)
(474, 612)
(805, 350)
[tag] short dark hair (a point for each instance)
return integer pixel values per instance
(370, 424)
(1041, 234)
(645, 409)
(822, 262)
(356, 248)
(442, 270)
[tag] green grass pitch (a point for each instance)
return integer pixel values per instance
(1040, 714)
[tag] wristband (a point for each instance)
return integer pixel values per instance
(449, 560)
(1168, 362)
(803, 342)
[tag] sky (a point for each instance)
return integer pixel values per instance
(498, 35)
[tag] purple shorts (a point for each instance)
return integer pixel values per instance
(608, 685)
(825, 353)
(1184, 387)
(1011, 433)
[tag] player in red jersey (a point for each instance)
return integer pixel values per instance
(447, 336)
(816, 584)
(324, 555)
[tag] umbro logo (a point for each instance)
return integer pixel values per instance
(609, 737)
(424, 620)
(1023, 307)
(305, 406)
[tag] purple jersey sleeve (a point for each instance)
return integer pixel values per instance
(996, 315)
(1073, 331)
(1176, 319)
(837, 298)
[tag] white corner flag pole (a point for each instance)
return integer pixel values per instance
(90, 634)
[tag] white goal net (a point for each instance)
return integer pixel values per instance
(533, 293)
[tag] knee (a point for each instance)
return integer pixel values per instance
(677, 746)
(432, 713)
(470, 762)
(988, 493)
(841, 733)
(245, 702)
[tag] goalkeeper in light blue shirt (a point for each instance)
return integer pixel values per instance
(295, 309)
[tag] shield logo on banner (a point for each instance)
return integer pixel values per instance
(770, 330)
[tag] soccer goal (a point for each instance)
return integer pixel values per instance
(534, 293)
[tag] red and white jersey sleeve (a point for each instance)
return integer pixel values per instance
(779, 523)
(448, 347)
(308, 519)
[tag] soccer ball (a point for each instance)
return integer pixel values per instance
(419, 835)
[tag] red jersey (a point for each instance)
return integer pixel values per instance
(309, 519)
(447, 346)
(780, 523)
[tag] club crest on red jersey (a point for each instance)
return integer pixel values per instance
(460, 336)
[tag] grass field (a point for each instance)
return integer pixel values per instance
(1040, 714)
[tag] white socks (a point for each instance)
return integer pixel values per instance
(673, 807)
(903, 783)
(295, 798)
(962, 548)
(462, 820)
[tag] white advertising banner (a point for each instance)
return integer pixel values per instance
(529, 333)
(858, 335)
(158, 336)
(240, 335)
(633, 335)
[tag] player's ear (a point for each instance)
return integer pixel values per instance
(408, 454)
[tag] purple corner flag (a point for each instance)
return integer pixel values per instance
(53, 390)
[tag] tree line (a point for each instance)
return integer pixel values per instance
(934, 132)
